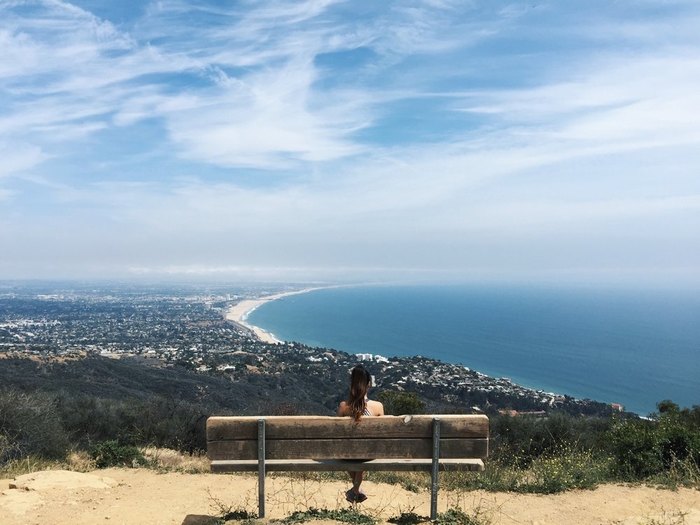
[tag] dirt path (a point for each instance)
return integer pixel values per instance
(139, 496)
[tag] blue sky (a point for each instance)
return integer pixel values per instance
(324, 140)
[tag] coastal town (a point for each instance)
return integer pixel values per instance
(206, 333)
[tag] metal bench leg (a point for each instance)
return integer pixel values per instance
(261, 468)
(435, 470)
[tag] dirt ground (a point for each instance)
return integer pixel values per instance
(142, 496)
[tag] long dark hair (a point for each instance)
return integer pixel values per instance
(360, 381)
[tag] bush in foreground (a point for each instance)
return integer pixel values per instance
(113, 454)
(668, 444)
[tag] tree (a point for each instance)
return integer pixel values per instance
(667, 407)
(400, 403)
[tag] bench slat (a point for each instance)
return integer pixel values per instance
(325, 427)
(311, 465)
(348, 449)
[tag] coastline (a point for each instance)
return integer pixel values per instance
(240, 311)
(494, 334)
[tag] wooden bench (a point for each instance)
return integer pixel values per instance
(321, 443)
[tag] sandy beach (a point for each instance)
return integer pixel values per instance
(142, 496)
(239, 312)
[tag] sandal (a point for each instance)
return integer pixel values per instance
(355, 497)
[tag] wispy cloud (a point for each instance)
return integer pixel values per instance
(78, 74)
(610, 99)
(361, 134)
(17, 158)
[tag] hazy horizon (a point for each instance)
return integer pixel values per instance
(336, 141)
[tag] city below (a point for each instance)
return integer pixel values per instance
(184, 327)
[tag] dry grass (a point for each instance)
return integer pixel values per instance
(80, 461)
(30, 464)
(675, 517)
(172, 460)
(163, 459)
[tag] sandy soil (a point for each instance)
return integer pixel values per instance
(142, 496)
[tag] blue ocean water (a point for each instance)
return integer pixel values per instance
(629, 347)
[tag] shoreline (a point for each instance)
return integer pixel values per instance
(239, 312)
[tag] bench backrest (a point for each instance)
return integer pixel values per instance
(324, 437)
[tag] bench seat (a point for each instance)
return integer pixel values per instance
(334, 465)
(431, 443)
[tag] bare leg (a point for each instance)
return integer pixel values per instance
(357, 480)
(354, 493)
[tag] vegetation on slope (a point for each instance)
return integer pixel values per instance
(168, 408)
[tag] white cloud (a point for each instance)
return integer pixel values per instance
(265, 121)
(612, 106)
(221, 90)
(79, 75)
(17, 158)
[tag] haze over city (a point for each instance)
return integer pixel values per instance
(341, 140)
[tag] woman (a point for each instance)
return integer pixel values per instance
(357, 405)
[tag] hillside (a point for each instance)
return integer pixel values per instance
(138, 378)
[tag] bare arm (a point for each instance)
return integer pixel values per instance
(343, 409)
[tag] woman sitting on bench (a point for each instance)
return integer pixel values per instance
(357, 405)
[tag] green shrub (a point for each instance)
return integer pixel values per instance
(562, 469)
(398, 403)
(518, 441)
(113, 454)
(408, 518)
(238, 515)
(495, 478)
(452, 516)
(634, 446)
(456, 516)
(345, 515)
(565, 469)
(649, 448)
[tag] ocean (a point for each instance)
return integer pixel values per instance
(622, 346)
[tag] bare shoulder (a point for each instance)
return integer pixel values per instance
(375, 407)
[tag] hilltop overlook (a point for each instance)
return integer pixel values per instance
(99, 378)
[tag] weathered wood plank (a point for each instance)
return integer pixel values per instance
(348, 448)
(311, 465)
(324, 427)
